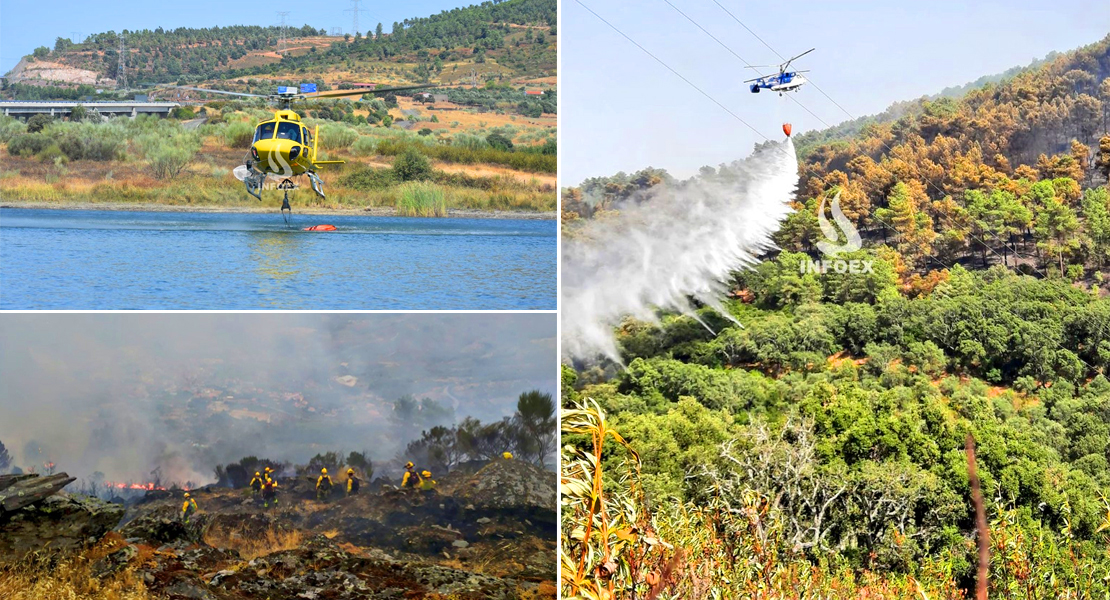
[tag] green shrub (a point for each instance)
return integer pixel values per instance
(469, 141)
(77, 145)
(369, 178)
(524, 161)
(50, 153)
(499, 141)
(422, 199)
(425, 131)
(364, 146)
(28, 144)
(168, 156)
(183, 113)
(411, 165)
(9, 128)
(78, 114)
(36, 123)
(239, 135)
(335, 137)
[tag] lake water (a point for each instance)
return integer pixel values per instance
(88, 259)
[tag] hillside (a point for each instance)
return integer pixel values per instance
(513, 39)
(483, 142)
(1010, 173)
(374, 544)
(805, 436)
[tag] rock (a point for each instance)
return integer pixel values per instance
(184, 589)
(484, 520)
(510, 484)
(18, 491)
(460, 543)
(157, 529)
(59, 523)
(114, 562)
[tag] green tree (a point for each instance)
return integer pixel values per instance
(412, 165)
(536, 415)
(37, 122)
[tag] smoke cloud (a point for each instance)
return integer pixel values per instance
(126, 394)
(671, 243)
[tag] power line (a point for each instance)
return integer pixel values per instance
(668, 67)
(121, 64)
(281, 39)
(781, 57)
(354, 10)
(802, 164)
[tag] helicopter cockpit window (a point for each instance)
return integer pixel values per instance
(289, 131)
(265, 131)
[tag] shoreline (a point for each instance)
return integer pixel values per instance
(376, 211)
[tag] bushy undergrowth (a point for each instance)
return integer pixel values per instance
(523, 161)
(422, 199)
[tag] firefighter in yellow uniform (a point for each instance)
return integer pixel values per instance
(269, 492)
(323, 485)
(188, 508)
(411, 478)
(426, 481)
(352, 483)
(256, 484)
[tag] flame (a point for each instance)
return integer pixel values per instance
(147, 486)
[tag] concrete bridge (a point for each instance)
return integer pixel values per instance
(26, 108)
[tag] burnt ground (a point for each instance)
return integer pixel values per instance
(382, 543)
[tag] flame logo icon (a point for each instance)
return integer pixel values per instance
(831, 245)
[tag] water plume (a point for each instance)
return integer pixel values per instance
(672, 243)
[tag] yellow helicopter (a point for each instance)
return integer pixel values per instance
(284, 146)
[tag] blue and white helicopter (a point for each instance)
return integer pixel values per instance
(783, 81)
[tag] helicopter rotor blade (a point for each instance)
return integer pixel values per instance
(196, 89)
(341, 93)
(786, 65)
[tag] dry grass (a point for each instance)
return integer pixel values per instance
(251, 547)
(209, 182)
(46, 577)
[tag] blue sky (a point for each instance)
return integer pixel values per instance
(26, 25)
(622, 111)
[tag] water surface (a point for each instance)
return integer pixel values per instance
(100, 260)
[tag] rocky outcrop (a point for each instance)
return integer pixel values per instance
(162, 527)
(17, 491)
(510, 484)
(56, 523)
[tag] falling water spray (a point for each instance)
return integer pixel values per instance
(673, 243)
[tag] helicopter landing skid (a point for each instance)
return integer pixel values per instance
(254, 181)
(317, 184)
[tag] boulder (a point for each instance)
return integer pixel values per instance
(157, 528)
(18, 491)
(510, 484)
(58, 523)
